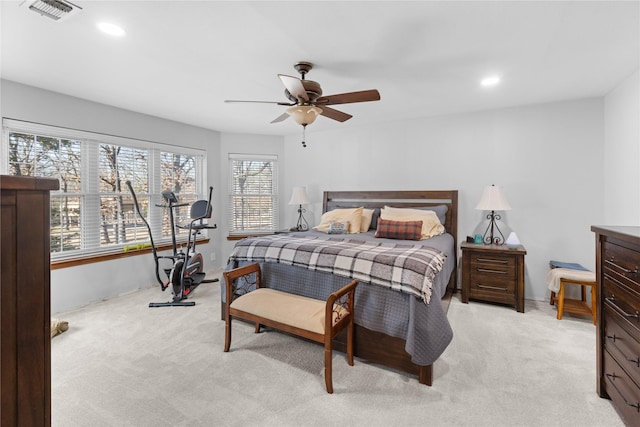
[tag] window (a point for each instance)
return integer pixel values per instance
(253, 198)
(93, 211)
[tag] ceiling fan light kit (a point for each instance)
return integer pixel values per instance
(307, 102)
(304, 114)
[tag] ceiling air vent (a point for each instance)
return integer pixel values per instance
(54, 9)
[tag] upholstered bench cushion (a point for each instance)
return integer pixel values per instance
(555, 274)
(293, 310)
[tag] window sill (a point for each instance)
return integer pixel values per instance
(244, 236)
(73, 262)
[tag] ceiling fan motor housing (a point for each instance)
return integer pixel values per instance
(313, 89)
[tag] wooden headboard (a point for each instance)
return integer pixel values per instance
(398, 199)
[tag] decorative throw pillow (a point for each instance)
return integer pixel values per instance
(354, 216)
(404, 230)
(336, 227)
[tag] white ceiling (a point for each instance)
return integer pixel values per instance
(180, 60)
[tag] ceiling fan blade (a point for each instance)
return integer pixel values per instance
(334, 114)
(282, 117)
(290, 104)
(294, 86)
(350, 97)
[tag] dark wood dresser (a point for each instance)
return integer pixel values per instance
(618, 319)
(493, 273)
(25, 335)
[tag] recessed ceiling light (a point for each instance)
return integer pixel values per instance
(111, 29)
(490, 81)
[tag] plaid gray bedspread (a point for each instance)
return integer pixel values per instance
(402, 267)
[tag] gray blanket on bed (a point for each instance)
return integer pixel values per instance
(403, 267)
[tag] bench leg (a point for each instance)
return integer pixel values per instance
(552, 298)
(560, 300)
(227, 332)
(328, 352)
(350, 343)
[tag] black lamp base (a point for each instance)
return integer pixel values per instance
(490, 237)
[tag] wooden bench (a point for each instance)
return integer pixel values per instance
(313, 319)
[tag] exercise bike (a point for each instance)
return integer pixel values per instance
(186, 271)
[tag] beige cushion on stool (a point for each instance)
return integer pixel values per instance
(558, 278)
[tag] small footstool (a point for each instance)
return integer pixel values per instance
(562, 274)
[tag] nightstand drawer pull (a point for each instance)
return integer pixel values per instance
(619, 267)
(495, 288)
(486, 270)
(612, 300)
(612, 378)
(494, 261)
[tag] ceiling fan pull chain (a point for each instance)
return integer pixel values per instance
(304, 128)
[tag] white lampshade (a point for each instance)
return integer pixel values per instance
(493, 199)
(304, 114)
(299, 196)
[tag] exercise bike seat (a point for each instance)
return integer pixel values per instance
(200, 209)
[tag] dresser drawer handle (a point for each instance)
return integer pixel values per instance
(619, 267)
(611, 378)
(612, 300)
(494, 288)
(613, 279)
(613, 339)
(486, 270)
(494, 261)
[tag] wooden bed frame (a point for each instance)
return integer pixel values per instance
(377, 347)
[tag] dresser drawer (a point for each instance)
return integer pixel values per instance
(622, 263)
(624, 301)
(621, 344)
(624, 393)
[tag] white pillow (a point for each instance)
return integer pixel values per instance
(431, 225)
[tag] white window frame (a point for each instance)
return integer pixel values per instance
(90, 188)
(232, 214)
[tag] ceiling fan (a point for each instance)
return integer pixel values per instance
(306, 101)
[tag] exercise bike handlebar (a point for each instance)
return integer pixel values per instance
(172, 206)
(153, 246)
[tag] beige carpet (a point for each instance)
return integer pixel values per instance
(124, 364)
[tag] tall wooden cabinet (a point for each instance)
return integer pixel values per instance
(618, 319)
(25, 336)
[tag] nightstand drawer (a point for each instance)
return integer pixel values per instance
(502, 291)
(493, 264)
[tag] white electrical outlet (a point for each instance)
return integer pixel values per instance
(213, 256)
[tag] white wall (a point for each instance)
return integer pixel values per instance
(622, 153)
(548, 159)
(77, 286)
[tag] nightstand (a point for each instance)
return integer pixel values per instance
(493, 273)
